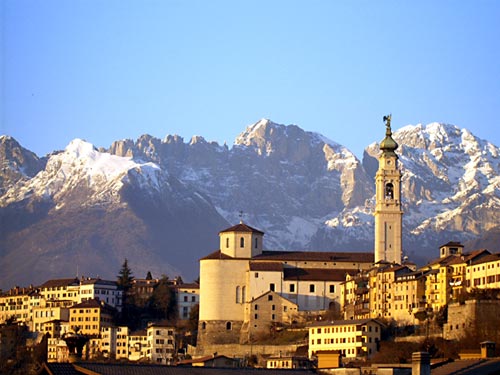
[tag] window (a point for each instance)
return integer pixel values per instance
(193, 299)
(292, 288)
(256, 274)
(203, 325)
(332, 288)
(271, 287)
(389, 191)
(270, 297)
(228, 326)
(238, 294)
(256, 307)
(273, 307)
(227, 242)
(311, 288)
(242, 242)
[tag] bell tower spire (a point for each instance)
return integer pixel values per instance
(388, 213)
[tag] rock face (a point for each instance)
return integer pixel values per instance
(161, 203)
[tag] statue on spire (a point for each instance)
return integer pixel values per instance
(387, 120)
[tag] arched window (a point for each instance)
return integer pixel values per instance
(229, 326)
(389, 191)
(242, 242)
(238, 295)
(256, 242)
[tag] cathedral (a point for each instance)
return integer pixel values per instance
(245, 290)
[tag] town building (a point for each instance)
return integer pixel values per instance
(240, 272)
(351, 338)
(89, 317)
(101, 290)
(188, 296)
(161, 343)
(16, 304)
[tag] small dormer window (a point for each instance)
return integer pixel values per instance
(242, 242)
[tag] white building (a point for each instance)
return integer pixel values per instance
(241, 272)
(161, 343)
(102, 290)
(188, 296)
(352, 338)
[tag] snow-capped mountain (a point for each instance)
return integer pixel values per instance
(161, 202)
(88, 210)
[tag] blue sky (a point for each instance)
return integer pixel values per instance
(108, 70)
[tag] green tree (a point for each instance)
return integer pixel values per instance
(129, 314)
(163, 304)
(125, 277)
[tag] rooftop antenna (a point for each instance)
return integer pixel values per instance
(241, 217)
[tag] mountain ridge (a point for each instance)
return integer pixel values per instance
(304, 190)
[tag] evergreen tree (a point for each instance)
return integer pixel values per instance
(125, 278)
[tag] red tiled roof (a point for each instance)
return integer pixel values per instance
(217, 255)
(487, 258)
(315, 274)
(345, 322)
(241, 227)
(188, 286)
(59, 282)
(319, 256)
(266, 266)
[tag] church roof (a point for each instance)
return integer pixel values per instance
(217, 255)
(315, 274)
(318, 256)
(266, 266)
(241, 227)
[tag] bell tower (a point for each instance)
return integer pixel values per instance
(388, 213)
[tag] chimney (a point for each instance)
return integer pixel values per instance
(420, 363)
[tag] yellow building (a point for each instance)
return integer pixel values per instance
(89, 317)
(484, 272)
(16, 304)
(352, 338)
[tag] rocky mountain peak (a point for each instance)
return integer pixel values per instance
(17, 163)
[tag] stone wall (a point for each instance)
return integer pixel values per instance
(242, 351)
(473, 315)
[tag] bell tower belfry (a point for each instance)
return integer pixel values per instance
(388, 213)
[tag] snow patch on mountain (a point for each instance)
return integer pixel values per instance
(82, 165)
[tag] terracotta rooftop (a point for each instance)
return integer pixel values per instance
(486, 258)
(217, 255)
(315, 274)
(457, 258)
(241, 227)
(343, 322)
(266, 266)
(318, 256)
(60, 282)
